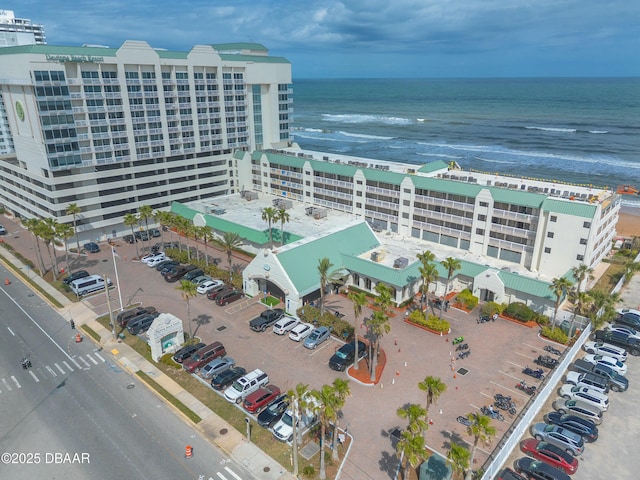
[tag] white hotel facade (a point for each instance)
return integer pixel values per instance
(112, 129)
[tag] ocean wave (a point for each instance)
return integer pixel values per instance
(359, 118)
(493, 160)
(553, 129)
(597, 131)
(362, 135)
(439, 155)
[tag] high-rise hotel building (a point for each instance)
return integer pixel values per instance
(19, 31)
(112, 129)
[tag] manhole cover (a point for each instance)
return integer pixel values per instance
(223, 431)
(266, 469)
(463, 371)
(221, 328)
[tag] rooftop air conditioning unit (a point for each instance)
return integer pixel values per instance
(400, 262)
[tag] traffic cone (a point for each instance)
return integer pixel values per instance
(7, 281)
(188, 451)
(78, 338)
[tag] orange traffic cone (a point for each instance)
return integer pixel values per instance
(78, 338)
(7, 281)
(188, 451)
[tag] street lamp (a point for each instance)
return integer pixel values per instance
(106, 292)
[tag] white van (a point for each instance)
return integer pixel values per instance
(242, 387)
(89, 284)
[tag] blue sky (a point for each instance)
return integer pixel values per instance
(372, 38)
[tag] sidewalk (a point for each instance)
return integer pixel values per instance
(212, 427)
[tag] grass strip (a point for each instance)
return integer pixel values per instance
(170, 398)
(90, 331)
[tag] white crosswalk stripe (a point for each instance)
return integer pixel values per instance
(76, 363)
(220, 475)
(94, 361)
(6, 384)
(100, 357)
(15, 380)
(53, 374)
(67, 365)
(83, 361)
(232, 473)
(60, 368)
(34, 376)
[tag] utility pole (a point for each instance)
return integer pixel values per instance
(106, 292)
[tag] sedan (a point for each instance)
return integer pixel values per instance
(200, 279)
(270, 415)
(601, 348)
(166, 264)
(316, 337)
(3, 231)
(537, 470)
(207, 285)
(284, 325)
(91, 247)
(300, 332)
(548, 453)
(261, 398)
(616, 365)
(215, 291)
(186, 351)
(154, 262)
(151, 256)
(585, 394)
(631, 332)
(630, 318)
(216, 366)
(586, 428)
(225, 378)
(508, 474)
(565, 439)
(579, 409)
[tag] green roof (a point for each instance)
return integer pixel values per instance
(531, 286)
(433, 166)
(252, 58)
(59, 50)
(389, 275)
(221, 47)
(577, 209)
(517, 197)
(301, 261)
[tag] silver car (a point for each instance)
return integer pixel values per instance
(562, 438)
(587, 395)
(216, 366)
(579, 409)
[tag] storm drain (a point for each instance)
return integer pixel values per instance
(309, 450)
(463, 371)
(221, 328)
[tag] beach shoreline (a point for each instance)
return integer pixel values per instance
(628, 222)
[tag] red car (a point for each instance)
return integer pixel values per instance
(554, 456)
(261, 398)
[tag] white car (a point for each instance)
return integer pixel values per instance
(301, 331)
(150, 256)
(601, 348)
(284, 325)
(156, 260)
(616, 365)
(207, 285)
(632, 332)
(585, 394)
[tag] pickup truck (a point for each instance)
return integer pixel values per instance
(630, 344)
(266, 319)
(617, 383)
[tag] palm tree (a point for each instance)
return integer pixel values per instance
(188, 229)
(269, 214)
(65, 231)
(559, 287)
(378, 326)
(230, 241)
(602, 307)
(326, 408)
(434, 387)
(458, 455)
(283, 217)
(412, 447)
(341, 390)
(580, 273)
(482, 431)
(161, 218)
(451, 265)
(415, 415)
(298, 397)
(359, 300)
(324, 265)
(131, 220)
(144, 213)
(206, 233)
(33, 225)
(47, 231)
(187, 290)
(73, 209)
(429, 274)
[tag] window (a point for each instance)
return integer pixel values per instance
(480, 231)
(549, 234)
(484, 204)
(580, 257)
(547, 250)
(583, 241)
(586, 224)
(553, 218)
(482, 218)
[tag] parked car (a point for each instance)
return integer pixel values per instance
(204, 356)
(178, 272)
(225, 378)
(3, 231)
(229, 296)
(629, 317)
(585, 428)
(630, 344)
(261, 398)
(215, 291)
(591, 380)
(345, 355)
(150, 256)
(616, 327)
(91, 247)
(266, 319)
(141, 323)
(190, 275)
(616, 365)
(201, 279)
(124, 317)
(508, 474)
(316, 337)
(216, 366)
(273, 412)
(551, 454)
(246, 385)
(130, 239)
(166, 263)
(587, 395)
(186, 351)
(154, 232)
(300, 332)
(207, 285)
(579, 409)
(601, 348)
(74, 276)
(537, 470)
(152, 263)
(569, 441)
(285, 325)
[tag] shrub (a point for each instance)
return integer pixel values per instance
(490, 308)
(167, 359)
(467, 299)
(309, 471)
(519, 311)
(556, 334)
(339, 328)
(431, 322)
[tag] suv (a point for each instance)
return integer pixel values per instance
(191, 274)
(75, 276)
(538, 470)
(266, 319)
(124, 317)
(630, 344)
(177, 273)
(141, 323)
(346, 355)
(629, 317)
(229, 296)
(204, 356)
(186, 351)
(215, 291)
(242, 387)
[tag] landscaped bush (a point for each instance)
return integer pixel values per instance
(167, 359)
(467, 298)
(339, 328)
(556, 334)
(519, 311)
(490, 308)
(212, 269)
(309, 471)
(431, 322)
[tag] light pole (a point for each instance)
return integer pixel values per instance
(114, 254)
(248, 420)
(106, 292)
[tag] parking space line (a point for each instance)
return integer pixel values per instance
(533, 346)
(6, 384)
(15, 380)
(515, 364)
(59, 369)
(525, 355)
(503, 387)
(486, 395)
(509, 375)
(320, 348)
(67, 365)
(34, 376)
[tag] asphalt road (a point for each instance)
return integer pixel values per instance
(76, 415)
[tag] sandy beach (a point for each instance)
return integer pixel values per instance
(629, 222)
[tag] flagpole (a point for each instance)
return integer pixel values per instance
(115, 267)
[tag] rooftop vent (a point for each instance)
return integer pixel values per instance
(401, 262)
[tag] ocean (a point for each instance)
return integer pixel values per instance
(583, 131)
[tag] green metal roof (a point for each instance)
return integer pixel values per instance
(252, 58)
(389, 275)
(531, 286)
(517, 197)
(221, 47)
(578, 209)
(301, 261)
(59, 50)
(433, 166)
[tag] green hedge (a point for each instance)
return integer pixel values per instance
(212, 270)
(519, 311)
(467, 299)
(339, 328)
(490, 308)
(432, 322)
(556, 334)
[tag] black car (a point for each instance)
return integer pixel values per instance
(130, 239)
(270, 415)
(186, 351)
(91, 247)
(629, 319)
(346, 355)
(154, 232)
(225, 378)
(166, 263)
(630, 344)
(142, 323)
(266, 319)
(508, 474)
(586, 428)
(537, 470)
(74, 276)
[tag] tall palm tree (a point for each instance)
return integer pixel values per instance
(433, 387)
(342, 391)
(188, 229)
(580, 273)
(458, 456)
(411, 447)
(298, 397)
(326, 408)
(269, 214)
(451, 265)
(324, 267)
(283, 217)
(230, 241)
(161, 218)
(144, 213)
(188, 290)
(131, 220)
(416, 416)
(378, 327)
(482, 431)
(359, 300)
(74, 210)
(33, 225)
(559, 287)
(47, 231)
(206, 233)
(602, 307)
(64, 231)
(429, 274)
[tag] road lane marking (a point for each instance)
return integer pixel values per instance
(51, 371)
(6, 384)
(34, 376)
(15, 380)
(232, 473)
(95, 362)
(60, 369)
(85, 362)
(11, 331)
(68, 366)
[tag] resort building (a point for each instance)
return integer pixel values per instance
(19, 31)
(112, 129)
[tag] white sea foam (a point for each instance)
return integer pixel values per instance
(362, 135)
(598, 131)
(493, 160)
(553, 129)
(439, 155)
(358, 118)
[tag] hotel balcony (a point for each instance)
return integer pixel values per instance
(516, 232)
(447, 217)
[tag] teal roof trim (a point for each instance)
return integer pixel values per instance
(578, 209)
(59, 50)
(433, 166)
(301, 261)
(233, 57)
(239, 46)
(531, 286)
(392, 276)
(517, 197)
